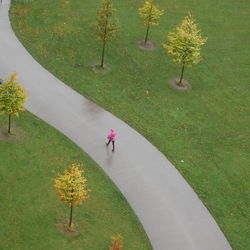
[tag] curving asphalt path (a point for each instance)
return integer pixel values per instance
(171, 213)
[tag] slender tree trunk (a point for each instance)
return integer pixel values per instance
(9, 123)
(71, 215)
(104, 43)
(146, 38)
(103, 51)
(150, 18)
(182, 71)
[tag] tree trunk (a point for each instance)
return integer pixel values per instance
(150, 19)
(103, 50)
(71, 215)
(146, 38)
(9, 123)
(182, 71)
(104, 42)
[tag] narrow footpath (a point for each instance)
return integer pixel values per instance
(171, 213)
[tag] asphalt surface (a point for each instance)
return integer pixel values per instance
(171, 213)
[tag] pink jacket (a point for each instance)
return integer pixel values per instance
(112, 135)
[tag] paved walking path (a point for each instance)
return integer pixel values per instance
(169, 210)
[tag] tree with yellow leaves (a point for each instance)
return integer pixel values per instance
(105, 25)
(150, 15)
(116, 243)
(71, 187)
(185, 44)
(12, 98)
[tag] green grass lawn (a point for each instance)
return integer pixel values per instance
(204, 131)
(30, 209)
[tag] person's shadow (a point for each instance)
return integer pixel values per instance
(109, 157)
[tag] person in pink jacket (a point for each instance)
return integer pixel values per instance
(111, 137)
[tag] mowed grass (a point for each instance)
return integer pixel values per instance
(204, 131)
(30, 209)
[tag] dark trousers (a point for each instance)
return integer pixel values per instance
(113, 144)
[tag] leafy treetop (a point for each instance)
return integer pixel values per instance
(116, 243)
(71, 186)
(105, 28)
(184, 44)
(12, 96)
(150, 13)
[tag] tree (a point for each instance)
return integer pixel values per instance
(150, 15)
(116, 243)
(105, 25)
(71, 187)
(185, 44)
(12, 98)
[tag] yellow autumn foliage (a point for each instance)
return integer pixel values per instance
(12, 96)
(71, 186)
(150, 13)
(116, 243)
(105, 23)
(184, 44)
